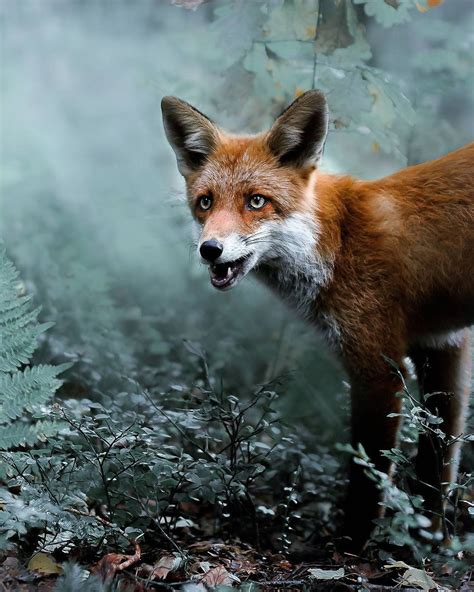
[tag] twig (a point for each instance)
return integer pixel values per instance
(87, 515)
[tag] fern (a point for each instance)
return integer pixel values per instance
(22, 391)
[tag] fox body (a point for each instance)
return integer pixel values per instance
(385, 269)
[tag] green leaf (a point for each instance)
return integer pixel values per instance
(386, 13)
(293, 19)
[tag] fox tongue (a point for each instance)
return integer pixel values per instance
(221, 271)
(224, 275)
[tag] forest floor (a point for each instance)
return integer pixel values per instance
(212, 565)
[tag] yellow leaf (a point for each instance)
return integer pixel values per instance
(434, 3)
(311, 31)
(44, 564)
(298, 92)
(375, 147)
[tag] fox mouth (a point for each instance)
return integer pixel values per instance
(226, 275)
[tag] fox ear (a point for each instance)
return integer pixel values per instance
(191, 134)
(297, 137)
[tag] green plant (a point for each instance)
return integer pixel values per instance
(407, 525)
(24, 388)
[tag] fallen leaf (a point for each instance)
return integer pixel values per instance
(242, 565)
(218, 576)
(107, 566)
(326, 574)
(201, 546)
(165, 565)
(285, 564)
(11, 563)
(419, 578)
(44, 564)
(114, 562)
(204, 566)
(185, 523)
(397, 565)
(194, 588)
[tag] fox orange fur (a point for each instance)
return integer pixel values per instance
(384, 268)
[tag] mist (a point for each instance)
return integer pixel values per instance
(92, 205)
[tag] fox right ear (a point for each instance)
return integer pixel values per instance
(191, 134)
(297, 137)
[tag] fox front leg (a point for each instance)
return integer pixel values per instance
(372, 401)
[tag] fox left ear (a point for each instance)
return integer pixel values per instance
(297, 137)
(191, 134)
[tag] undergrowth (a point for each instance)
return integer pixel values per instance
(169, 465)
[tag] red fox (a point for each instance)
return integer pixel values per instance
(385, 269)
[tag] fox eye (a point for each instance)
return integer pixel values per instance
(256, 202)
(205, 202)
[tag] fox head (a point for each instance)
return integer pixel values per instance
(252, 196)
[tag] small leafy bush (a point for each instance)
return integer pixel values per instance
(161, 465)
(405, 530)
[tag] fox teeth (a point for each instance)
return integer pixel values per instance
(228, 272)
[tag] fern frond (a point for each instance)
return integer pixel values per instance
(17, 344)
(25, 391)
(21, 434)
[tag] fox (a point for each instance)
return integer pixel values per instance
(383, 269)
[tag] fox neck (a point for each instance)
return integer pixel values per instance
(305, 246)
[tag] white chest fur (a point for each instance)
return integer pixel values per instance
(296, 271)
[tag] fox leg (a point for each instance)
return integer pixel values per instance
(446, 372)
(372, 401)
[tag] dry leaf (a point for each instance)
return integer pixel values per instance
(419, 578)
(192, 587)
(44, 564)
(285, 564)
(114, 562)
(204, 566)
(326, 574)
(218, 576)
(165, 565)
(397, 565)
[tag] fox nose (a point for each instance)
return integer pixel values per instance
(211, 249)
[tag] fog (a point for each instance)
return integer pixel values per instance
(92, 208)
